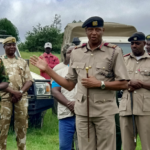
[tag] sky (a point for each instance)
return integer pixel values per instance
(25, 14)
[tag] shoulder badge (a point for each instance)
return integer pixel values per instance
(83, 45)
(110, 45)
(126, 55)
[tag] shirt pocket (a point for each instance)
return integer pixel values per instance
(145, 72)
(79, 97)
(146, 102)
(78, 66)
(103, 71)
(123, 102)
(130, 71)
(102, 98)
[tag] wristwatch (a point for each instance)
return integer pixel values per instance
(102, 85)
(21, 91)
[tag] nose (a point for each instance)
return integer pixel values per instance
(94, 31)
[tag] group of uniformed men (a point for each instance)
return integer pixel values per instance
(108, 72)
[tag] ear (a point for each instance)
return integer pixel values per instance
(144, 43)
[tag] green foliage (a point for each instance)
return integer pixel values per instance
(36, 38)
(7, 27)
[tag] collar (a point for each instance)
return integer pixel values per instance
(145, 55)
(100, 47)
(46, 55)
(5, 56)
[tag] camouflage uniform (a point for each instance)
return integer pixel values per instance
(19, 73)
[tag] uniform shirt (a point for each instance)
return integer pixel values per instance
(137, 70)
(51, 61)
(18, 72)
(63, 111)
(106, 64)
(3, 74)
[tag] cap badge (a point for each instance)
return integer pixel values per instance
(94, 23)
(135, 38)
(13, 40)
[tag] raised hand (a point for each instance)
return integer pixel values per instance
(38, 62)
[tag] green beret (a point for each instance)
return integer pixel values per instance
(9, 40)
(93, 22)
(138, 36)
(148, 37)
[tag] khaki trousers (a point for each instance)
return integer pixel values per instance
(20, 125)
(142, 127)
(102, 133)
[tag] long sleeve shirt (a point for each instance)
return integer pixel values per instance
(51, 60)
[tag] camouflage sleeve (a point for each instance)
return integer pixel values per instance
(27, 74)
(3, 74)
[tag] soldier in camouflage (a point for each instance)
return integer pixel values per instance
(4, 80)
(15, 95)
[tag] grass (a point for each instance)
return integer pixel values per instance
(39, 139)
(47, 137)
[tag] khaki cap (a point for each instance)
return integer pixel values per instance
(9, 40)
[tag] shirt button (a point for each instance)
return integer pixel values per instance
(90, 67)
(134, 92)
(137, 62)
(103, 67)
(104, 100)
(91, 54)
(77, 66)
(145, 70)
(136, 72)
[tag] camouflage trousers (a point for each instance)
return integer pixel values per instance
(20, 122)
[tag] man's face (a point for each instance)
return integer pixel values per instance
(148, 46)
(47, 50)
(137, 47)
(68, 53)
(94, 34)
(10, 49)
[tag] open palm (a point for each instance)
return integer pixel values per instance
(39, 63)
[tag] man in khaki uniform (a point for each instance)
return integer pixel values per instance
(138, 66)
(107, 73)
(16, 94)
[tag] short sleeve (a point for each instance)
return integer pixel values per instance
(27, 74)
(55, 84)
(3, 74)
(72, 74)
(119, 68)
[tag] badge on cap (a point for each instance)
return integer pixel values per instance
(13, 40)
(135, 38)
(94, 23)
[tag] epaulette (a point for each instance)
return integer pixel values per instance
(83, 45)
(126, 55)
(110, 45)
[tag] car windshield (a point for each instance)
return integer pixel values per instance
(126, 47)
(2, 51)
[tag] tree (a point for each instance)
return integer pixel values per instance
(9, 28)
(57, 22)
(36, 38)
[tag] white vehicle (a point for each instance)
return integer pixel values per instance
(115, 33)
(39, 94)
